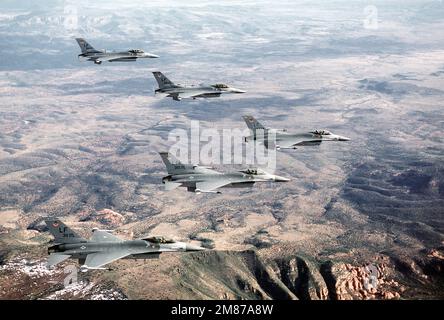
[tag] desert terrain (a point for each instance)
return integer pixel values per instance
(80, 142)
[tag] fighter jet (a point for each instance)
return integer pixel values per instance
(104, 248)
(200, 179)
(178, 92)
(98, 56)
(285, 140)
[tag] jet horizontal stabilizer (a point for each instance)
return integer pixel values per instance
(56, 258)
(171, 185)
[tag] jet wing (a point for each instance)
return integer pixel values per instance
(288, 144)
(115, 58)
(124, 59)
(99, 259)
(211, 186)
(56, 258)
(103, 58)
(103, 236)
(192, 94)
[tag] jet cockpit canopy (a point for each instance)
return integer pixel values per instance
(220, 86)
(135, 51)
(322, 132)
(253, 171)
(159, 240)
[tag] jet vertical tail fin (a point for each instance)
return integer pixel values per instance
(259, 132)
(163, 81)
(171, 168)
(85, 46)
(62, 233)
(253, 124)
(174, 166)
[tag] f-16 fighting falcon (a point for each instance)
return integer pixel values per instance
(206, 180)
(285, 140)
(104, 248)
(178, 92)
(98, 56)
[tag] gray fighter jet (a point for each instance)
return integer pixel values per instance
(98, 56)
(206, 180)
(281, 139)
(178, 92)
(104, 248)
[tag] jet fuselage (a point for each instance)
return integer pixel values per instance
(138, 248)
(239, 179)
(124, 56)
(283, 139)
(200, 91)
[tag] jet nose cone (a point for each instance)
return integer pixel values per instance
(234, 90)
(150, 55)
(190, 247)
(343, 138)
(280, 179)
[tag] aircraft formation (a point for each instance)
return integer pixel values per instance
(103, 247)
